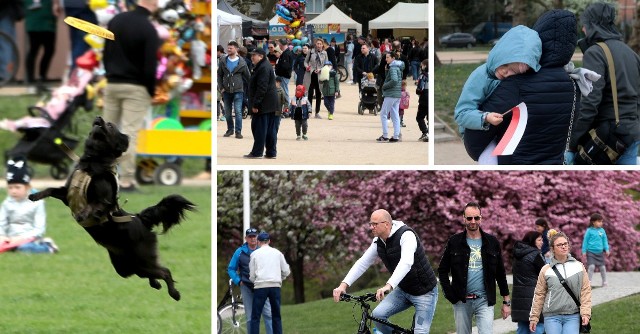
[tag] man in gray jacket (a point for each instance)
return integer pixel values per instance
(598, 24)
(233, 76)
(267, 270)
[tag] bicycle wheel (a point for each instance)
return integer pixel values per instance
(219, 324)
(9, 59)
(231, 324)
(342, 72)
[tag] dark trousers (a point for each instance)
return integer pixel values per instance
(314, 87)
(301, 123)
(264, 128)
(421, 116)
(37, 40)
(78, 45)
(330, 103)
(260, 296)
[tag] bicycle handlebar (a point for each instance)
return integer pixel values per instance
(367, 297)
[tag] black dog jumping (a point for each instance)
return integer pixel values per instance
(91, 192)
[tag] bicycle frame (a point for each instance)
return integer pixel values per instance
(366, 314)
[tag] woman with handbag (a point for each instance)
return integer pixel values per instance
(563, 292)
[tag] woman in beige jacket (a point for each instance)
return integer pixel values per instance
(561, 314)
(314, 62)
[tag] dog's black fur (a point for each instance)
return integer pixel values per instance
(132, 246)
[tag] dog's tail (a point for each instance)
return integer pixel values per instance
(169, 211)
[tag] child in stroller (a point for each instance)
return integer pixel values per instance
(368, 95)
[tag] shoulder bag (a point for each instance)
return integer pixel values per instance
(601, 146)
(583, 328)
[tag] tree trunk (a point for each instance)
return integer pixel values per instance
(436, 61)
(519, 12)
(557, 4)
(634, 41)
(297, 271)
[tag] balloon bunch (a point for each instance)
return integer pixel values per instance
(291, 14)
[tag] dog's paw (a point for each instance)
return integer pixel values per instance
(35, 197)
(154, 283)
(174, 294)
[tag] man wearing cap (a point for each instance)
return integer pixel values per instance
(263, 103)
(412, 281)
(233, 72)
(268, 269)
(284, 66)
(474, 260)
(238, 271)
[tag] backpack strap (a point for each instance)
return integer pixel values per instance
(612, 76)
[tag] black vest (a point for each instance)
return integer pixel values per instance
(421, 278)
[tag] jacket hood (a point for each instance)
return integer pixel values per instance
(559, 36)
(521, 250)
(519, 45)
(599, 21)
(398, 63)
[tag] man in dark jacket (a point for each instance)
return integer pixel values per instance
(412, 278)
(474, 260)
(130, 63)
(233, 73)
(550, 95)
(263, 103)
(598, 24)
(284, 66)
(238, 271)
(364, 63)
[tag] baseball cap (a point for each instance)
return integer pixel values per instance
(259, 51)
(251, 231)
(263, 236)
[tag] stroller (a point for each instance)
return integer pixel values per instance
(38, 144)
(368, 97)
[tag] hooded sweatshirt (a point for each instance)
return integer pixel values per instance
(519, 45)
(551, 298)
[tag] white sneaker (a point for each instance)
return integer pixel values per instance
(53, 248)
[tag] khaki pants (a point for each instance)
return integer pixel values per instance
(127, 105)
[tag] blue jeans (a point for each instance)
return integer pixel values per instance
(8, 26)
(285, 86)
(562, 324)
(78, 45)
(390, 106)
(33, 247)
(236, 100)
(247, 300)
(523, 328)
(398, 301)
(264, 128)
(463, 312)
(630, 155)
(415, 66)
(260, 296)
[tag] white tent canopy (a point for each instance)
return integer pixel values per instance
(403, 15)
(333, 15)
(229, 28)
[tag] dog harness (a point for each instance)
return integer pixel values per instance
(77, 198)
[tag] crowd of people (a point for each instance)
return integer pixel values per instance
(545, 275)
(567, 107)
(314, 68)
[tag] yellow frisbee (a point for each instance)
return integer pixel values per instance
(89, 27)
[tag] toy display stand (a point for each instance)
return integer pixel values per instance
(175, 144)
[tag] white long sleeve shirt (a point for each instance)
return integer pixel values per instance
(268, 268)
(23, 218)
(408, 246)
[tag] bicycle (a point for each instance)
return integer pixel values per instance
(366, 318)
(9, 66)
(231, 315)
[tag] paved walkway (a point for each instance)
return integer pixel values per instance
(451, 153)
(621, 284)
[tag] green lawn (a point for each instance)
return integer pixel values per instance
(14, 107)
(78, 291)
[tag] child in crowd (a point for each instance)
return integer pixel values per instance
(515, 53)
(22, 222)
(300, 107)
(282, 100)
(404, 102)
(330, 88)
(594, 246)
(542, 226)
(422, 90)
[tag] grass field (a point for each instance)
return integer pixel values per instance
(14, 107)
(78, 291)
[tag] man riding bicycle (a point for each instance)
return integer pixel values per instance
(412, 280)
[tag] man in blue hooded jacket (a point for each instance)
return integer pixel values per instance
(238, 270)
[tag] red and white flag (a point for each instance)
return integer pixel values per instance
(514, 133)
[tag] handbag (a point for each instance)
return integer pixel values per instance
(601, 146)
(583, 328)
